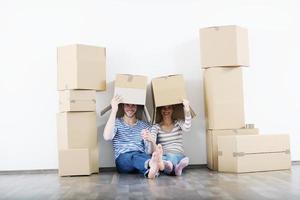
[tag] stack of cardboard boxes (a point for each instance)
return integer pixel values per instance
(81, 72)
(233, 146)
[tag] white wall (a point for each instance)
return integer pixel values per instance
(152, 38)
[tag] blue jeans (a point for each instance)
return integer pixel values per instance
(175, 158)
(133, 162)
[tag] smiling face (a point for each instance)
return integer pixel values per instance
(166, 111)
(130, 110)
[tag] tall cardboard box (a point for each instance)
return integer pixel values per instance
(212, 142)
(169, 90)
(224, 46)
(132, 89)
(252, 153)
(76, 130)
(81, 67)
(224, 98)
(77, 100)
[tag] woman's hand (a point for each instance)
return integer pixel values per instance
(146, 135)
(186, 105)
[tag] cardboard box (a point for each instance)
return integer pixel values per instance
(169, 90)
(224, 46)
(252, 153)
(132, 89)
(212, 142)
(77, 100)
(77, 130)
(76, 162)
(81, 67)
(224, 98)
(94, 152)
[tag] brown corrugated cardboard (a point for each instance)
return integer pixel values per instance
(224, 98)
(224, 46)
(76, 130)
(74, 162)
(132, 89)
(81, 67)
(212, 142)
(251, 153)
(95, 159)
(169, 90)
(77, 100)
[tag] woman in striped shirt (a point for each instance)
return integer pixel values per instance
(169, 133)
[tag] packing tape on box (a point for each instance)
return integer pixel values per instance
(130, 77)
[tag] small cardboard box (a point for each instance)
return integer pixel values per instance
(74, 162)
(77, 100)
(81, 67)
(224, 46)
(252, 153)
(169, 90)
(132, 89)
(224, 98)
(77, 130)
(212, 142)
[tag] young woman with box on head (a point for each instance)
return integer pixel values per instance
(168, 132)
(129, 147)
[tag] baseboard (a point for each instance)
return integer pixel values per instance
(101, 169)
(35, 171)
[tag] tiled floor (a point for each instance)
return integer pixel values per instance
(193, 184)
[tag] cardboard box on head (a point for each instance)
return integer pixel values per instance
(224, 46)
(132, 89)
(81, 67)
(169, 90)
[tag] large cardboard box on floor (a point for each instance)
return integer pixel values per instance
(77, 130)
(212, 142)
(132, 89)
(224, 98)
(252, 153)
(81, 67)
(224, 46)
(77, 100)
(77, 162)
(169, 90)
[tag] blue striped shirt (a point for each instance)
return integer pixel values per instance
(128, 137)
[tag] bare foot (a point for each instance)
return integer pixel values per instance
(161, 164)
(153, 164)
